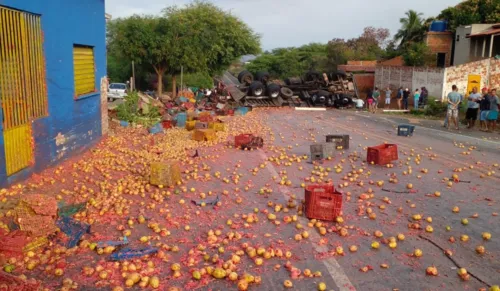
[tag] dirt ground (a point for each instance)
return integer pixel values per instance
(397, 220)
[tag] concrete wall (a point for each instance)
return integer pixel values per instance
(410, 77)
(75, 124)
(462, 45)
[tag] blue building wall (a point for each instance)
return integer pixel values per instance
(76, 124)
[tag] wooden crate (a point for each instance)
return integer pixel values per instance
(217, 126)
(165, 174)
(204, 135)
(190, 125)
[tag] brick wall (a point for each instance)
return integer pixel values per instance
(362, 63)
(459, 75)
(495, 74)
(440, 42)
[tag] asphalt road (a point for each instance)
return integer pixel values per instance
(440, 154)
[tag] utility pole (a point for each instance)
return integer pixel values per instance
(133, 76)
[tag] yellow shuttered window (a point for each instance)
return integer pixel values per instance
(83, 62)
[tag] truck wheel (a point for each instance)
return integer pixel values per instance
(262, 77)
(245, 77)
(293, 81)
(286, 92)
(256, 89)
(322, 97)
(313, 76)
(273, 90)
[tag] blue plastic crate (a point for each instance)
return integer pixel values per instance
(405, 130)
(241, 111)
(157, 128)
(181, 119)
(124, 123)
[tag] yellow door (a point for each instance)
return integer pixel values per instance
(474, 81)
(23, 95)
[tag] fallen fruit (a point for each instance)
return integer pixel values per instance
(321, 286)
(288, 284)
(431, 271)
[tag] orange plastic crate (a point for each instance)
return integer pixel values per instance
(382, 154)
(322, 202)
(165, 174)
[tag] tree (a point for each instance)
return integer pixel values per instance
(470, 12)
(412, 28)
(140, 39)
(207, 39)
(418, 54)
(199, 38)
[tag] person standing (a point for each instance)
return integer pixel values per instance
(484, 107)
(472, 108)
(406, 95)
(454, 99)
(376, 97)
(399, 96)
(369, 100)
(423, 96)
(416, 99)
(388, 93)
(493, 114)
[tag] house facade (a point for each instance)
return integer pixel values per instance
(52, 59)
(476, 42)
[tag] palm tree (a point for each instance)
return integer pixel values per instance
(412, 28)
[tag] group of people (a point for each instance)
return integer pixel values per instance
(419, 97)
(484, 105)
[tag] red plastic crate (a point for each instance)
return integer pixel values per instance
(382, 154)
(166, 124)
(230, 112)
(322, 202)
(242, 139)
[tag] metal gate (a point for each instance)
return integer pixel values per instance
(23, 93)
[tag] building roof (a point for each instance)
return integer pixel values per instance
(395, 62)
(494, 29)
(357, 68)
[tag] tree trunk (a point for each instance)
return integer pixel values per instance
(160, 84)
(174, 87)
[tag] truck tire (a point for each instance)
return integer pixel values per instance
(322, 97)
(293, 81)
(262, 77)
(245, 77)
(286, 93)
(256, 89)
(273, 90)
(336, 74)
(313, 76)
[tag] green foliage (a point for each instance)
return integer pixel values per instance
(199, 37)
(471, 11)
(417, 112)
(418, 54)
(434, 107)
(367, 47)
(412, 29)
(288, 62)
(208, 38)
(199, 80)
(129, 111)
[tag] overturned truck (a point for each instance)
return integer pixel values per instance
(314, 89)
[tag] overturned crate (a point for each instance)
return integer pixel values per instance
(341, 141)
(321, 151)
(406, 130)
(204, 135)
(165, 174)
(217, 126)
(36, 215)
(248, 141)
(190, 125)
(201, 125)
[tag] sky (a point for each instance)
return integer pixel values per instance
(286, 23)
